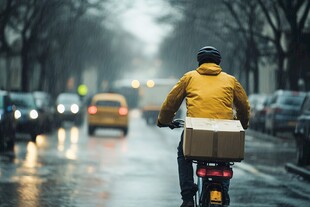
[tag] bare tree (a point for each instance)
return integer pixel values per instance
(296, 13)
(247, 24)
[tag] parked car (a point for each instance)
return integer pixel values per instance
(283, 111)
(69, 107)
(302, 133)
(27, 114)
(108, 110)
(7, 122)
(257, 103)
(46, 108)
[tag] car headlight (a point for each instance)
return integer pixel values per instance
(17, 114)
(74, 108)
(33, 114)
(61, 108)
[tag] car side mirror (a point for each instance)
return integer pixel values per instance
(9, 108)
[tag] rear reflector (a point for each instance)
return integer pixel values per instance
(123, 111)
(214, 172)
(92, 110)
(201, 172)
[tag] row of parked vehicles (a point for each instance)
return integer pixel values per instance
(284, 111)
(35, 113)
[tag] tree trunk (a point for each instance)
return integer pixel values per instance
(8, 72)
(256, 77)
(25, 68)
(42, 81)
(281, 77)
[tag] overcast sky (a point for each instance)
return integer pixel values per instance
(139, 18)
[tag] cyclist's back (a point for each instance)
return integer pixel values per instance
(209, 93)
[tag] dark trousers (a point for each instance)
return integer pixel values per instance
(186, 177)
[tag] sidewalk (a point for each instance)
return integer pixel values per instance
(303, 171)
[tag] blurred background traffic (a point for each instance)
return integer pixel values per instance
(77, 60)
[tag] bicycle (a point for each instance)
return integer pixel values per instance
(210, 175)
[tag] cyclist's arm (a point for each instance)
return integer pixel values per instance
(242, 105)
(172, 102)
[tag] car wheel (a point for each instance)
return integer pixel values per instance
(2, 145)
(10, 144)
(79, 121)
(33, 137)
(273, 131)
(7, 143)
(148, 121)
(58, 124)
(303, 154)
(49, 126)
(125, 131)
(91, 130)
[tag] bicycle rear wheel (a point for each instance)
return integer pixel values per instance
(211, 196)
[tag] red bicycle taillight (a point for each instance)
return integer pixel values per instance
(123, 111)
(92, 110)
(201, 172)
(228, 173)
(214, 172)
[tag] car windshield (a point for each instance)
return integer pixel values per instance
(23, 100)
(291, 100)
(108, 103)
(68, 99)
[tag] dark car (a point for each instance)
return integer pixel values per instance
(7, 122)
(257, 103)
(302, 133)
(283, 111)
(27, 115)
(258, 116)
(69, 107)
(46, 108)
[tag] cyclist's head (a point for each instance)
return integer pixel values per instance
(208, 54)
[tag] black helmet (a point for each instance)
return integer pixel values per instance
(209, 54)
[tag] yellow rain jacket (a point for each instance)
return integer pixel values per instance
(209, 93)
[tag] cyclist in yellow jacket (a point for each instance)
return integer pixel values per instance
(209, 93)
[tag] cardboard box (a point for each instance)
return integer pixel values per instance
(213, 139)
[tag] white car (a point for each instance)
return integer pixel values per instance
(69, 107)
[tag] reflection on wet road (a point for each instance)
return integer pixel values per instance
(70, 168)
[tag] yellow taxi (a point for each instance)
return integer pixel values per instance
(108, 110)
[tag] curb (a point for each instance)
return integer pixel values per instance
(259, 134)
(290, 167)
(298, 170)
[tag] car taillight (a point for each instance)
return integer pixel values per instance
(92, 110)
(277, 110)
(123, 111)
(214, 172)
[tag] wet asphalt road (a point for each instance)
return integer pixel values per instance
(68, 168)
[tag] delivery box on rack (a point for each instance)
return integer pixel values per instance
(213, 139)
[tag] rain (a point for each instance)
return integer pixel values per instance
(82, 83)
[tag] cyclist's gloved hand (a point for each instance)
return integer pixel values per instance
(174, 124)
(160, 124)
